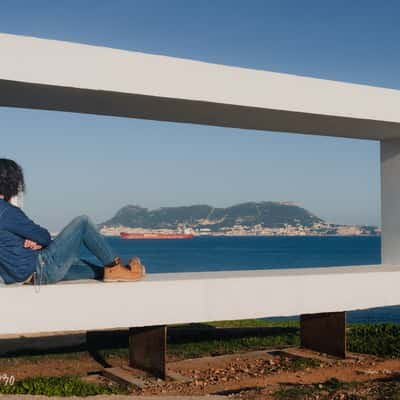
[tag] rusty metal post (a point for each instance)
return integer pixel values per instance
(324, 332)
(147, 349)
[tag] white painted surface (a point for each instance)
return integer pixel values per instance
(55, 75)
(196, 297)
(390, 201)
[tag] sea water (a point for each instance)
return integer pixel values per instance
(235, 253)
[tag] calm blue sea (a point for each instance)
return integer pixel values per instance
(234, 253)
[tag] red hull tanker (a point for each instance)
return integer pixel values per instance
(125, 235)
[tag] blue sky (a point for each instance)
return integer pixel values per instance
(78, 164)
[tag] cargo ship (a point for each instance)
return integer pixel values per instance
(125, 235)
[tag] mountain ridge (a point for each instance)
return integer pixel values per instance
(268, 214)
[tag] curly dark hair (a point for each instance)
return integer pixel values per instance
(11, 178)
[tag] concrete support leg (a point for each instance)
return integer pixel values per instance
(325, 333)
(147, 349)
(390, 201)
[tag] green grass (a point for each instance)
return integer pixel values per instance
(300, 363)
(323, 390)
(377, 339)
(295, 392)
(255, 323)
(59, 386)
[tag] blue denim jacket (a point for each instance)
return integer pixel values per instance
(17, 263)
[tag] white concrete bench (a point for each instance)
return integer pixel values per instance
(163, 299)
(196, 297)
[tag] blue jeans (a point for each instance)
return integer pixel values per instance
(61, 259)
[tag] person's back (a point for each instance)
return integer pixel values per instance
(17, 262)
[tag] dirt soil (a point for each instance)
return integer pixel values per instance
(292, 373)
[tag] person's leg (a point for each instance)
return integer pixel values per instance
(83, 269)
(63, 251)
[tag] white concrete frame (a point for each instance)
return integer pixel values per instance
(54, 75)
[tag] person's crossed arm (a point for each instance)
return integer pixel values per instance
(16, 221)
(32, 245)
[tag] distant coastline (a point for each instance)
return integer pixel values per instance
(265, 218)
(290, 231)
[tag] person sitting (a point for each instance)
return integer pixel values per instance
(29, 255)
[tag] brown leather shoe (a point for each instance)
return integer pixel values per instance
(121, 273)
(136, 265)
